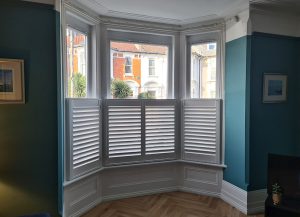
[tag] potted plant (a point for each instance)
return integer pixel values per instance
(120, 89)
(276, 193)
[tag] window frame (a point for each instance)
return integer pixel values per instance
(138, 37)
(90, 29)
(152, 67)
(201, 38)
(87, 56)
(128, 59)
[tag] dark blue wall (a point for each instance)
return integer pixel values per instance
(273, 126)
(60, 118)
(28, 132)
(298, 99)
(236, 112)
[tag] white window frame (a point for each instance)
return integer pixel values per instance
(137, 37)
(90, 28)
(206, 37)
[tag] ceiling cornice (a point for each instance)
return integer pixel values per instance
(101, 10)
(138, 25)
(286, 8)
(274, 11)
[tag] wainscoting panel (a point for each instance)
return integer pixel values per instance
(201, 179)
(141, 180)
(82, 196)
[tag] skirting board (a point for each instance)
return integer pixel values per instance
(86, 208)
(247, 202)
(256, 201)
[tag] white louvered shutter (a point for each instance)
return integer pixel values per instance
(84, 136)
(201, 130)
(160, 129)
(123, 131)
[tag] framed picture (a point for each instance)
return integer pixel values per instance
(12, 81)
(275, 88)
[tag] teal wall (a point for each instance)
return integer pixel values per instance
(236, 112)
(28, 132)
(253, 128)
(273, 126)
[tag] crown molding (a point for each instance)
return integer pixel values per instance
(140, 25)
(273, 20)
(287, 9)
(275, 12)
(102, 11)
(235, 9)
(125, 15)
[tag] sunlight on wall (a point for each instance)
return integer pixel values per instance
(10, 195)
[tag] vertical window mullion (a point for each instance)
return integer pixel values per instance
(143, 129)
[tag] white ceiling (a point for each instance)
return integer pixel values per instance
(166, 11)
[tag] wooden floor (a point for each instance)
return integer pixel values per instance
(174, 204)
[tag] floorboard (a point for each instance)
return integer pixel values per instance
(173, 204)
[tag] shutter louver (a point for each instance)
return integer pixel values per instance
(140, 131)
(201, 133)
(84, 136)
(160, 129)
(124, 132)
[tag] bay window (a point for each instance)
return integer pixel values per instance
(135, 118)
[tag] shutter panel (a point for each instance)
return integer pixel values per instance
(124, 131)
(160, 129)
(201, 133)
(84, 141)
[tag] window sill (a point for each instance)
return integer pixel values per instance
(203, 164)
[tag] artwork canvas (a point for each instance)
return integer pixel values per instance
(275, 88)
(11, 81)
(6, 81)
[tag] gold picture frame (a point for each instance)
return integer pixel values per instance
(12, 89)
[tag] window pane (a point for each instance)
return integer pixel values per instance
(138, 70)
(203, 70)
(151, 67)
(76, 75)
